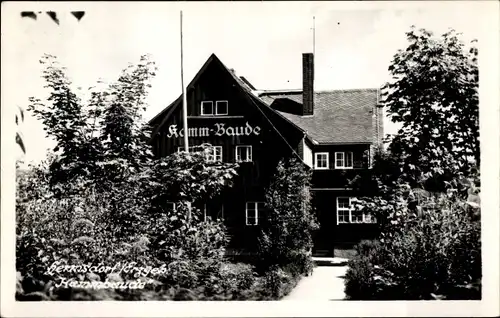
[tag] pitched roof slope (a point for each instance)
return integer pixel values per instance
(246, 88)
(340, 116)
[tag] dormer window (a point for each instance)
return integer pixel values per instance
(219, 109)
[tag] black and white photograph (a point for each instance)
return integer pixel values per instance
(318, 158)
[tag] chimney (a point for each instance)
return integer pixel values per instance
(308, 83)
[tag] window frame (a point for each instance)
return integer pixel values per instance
(344, 210)
(217, 107)
(205, 212)
(245, 147)
(364, 216)
(344, 160)
(214, 154)
(201, 108)
(316, 154)
(191, 149)
(256, 209)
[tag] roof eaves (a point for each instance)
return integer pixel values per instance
(279, 91)
(326, 143)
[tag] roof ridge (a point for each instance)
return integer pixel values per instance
(346, 90)
(288, 91)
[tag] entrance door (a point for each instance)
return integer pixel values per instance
(324, 236)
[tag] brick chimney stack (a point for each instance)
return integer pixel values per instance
(308, 83)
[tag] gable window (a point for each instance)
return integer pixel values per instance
(207, 108)
(221, 107)
(243, 153)
(347, 214)
(343, 160)
(253, 212)
(321, 160)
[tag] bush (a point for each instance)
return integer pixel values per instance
(100, 199)
(359, 279)
(372, 249)
(81, 228)
(435, 254)
(285, 240)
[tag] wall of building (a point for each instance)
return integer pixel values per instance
(307, 154)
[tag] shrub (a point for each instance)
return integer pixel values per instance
(285, 240)
(359, 279)
(101, 199)
(435, 254)
(372, 249)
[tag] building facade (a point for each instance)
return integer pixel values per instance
(333, 132)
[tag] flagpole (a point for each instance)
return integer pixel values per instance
(184, 99)
(314, 35)
(184, 112)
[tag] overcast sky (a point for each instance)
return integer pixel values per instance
(262, 41)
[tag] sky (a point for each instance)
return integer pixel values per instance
(263, 41)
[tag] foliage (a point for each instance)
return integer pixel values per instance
(86, 229)
(100, 196)
(188, 177)
(286, 240)
(434, 95)
(85, 149)
(424, 190)
(431, 252)
(124, 134)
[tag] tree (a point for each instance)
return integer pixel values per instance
(286, 239)
(434, 95)
(102, 139)
(425, 188)
(124, 133)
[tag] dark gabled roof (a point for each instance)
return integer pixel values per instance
(165, 113)
(340, 116)
(243, 84)
(162, 116)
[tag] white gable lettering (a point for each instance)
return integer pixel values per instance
(219, 129)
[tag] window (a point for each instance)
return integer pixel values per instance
(347, 214)
(343, 210)
(213, 212)
(243, 153)
(207, 108)
(214, 153)
(221, 107)
(321, 160)
(343, 160)
(253, 212)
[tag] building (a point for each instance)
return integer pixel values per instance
(333, 132)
